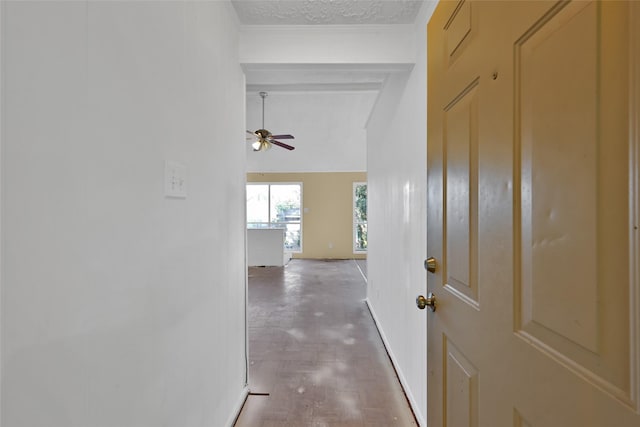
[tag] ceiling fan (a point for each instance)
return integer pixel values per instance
(262, 139)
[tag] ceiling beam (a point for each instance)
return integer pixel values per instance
(327, 44)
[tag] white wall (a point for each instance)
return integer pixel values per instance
(329, 130)
(121, 307)
(396, 160)
(326, 44)
(1, 185)
(323, 81)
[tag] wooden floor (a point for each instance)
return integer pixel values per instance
(315, 351)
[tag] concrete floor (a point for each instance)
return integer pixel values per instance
(315, 352)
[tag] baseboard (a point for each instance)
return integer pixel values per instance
(403, 381)
(364, 276)
(237, 408)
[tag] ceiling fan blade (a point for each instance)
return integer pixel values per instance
(283, 136)
(282, 144)
(251, 136)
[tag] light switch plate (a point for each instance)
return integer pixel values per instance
(175, 180)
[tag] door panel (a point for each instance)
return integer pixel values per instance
(461, 389)
(559, 227)
(572, 172)
(531, 214)
(461, 159)
(457, 28)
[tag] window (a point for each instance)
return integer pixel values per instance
(277, 206)
(359, 217)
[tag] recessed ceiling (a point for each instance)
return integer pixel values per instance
(325, 105)
(326, 12)
(329, 130)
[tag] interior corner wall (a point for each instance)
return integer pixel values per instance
(120, 306)
(327, 217)
(396, 167)
(1, 183)
(340, 147)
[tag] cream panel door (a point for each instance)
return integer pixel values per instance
(532, 214)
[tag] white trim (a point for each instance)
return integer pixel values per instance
(304, 88)
(284, 171)
(237, 408)
(2, 109)
(246, 267)
(380, 68)
(364, 276)
(323, 29)
(403, 381)
(2, 142)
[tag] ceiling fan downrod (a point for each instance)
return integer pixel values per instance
(263, 95)
(265, 138)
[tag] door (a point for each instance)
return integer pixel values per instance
(532, 214)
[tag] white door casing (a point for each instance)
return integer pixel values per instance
(533, 213)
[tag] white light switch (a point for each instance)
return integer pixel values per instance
(175, 180)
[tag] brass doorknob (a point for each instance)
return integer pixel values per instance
(429, 301)
(430, 264)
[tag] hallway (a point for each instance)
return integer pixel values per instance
(314, 349)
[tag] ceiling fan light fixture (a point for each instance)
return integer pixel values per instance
(261, 145)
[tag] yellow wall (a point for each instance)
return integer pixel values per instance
(327, 218)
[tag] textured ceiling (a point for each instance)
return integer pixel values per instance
(326, 12)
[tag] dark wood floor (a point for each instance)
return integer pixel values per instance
(314, 349)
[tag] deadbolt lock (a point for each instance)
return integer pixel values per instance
(430, 264)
